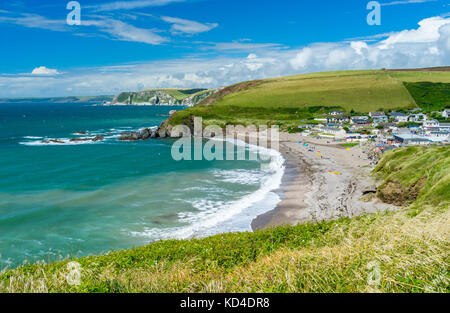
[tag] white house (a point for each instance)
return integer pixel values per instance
(336, 113)
(417, 117)
(399, 117)
(338, 119)
(334, 131)
(438, 136)
(431, 123)
(411, 139)
(377, 114)
(445, 127)
(359, 120)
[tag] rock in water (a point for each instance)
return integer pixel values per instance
(98, 138)
(145, 133)
(53, 141)
(129, 137)
(80, 139)
(142, 134)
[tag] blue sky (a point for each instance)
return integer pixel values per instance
(131, 45)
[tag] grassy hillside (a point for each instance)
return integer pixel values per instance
(416, 175)
(292, 100)
(363, 91)
(385, 252)
(422, 76)
(430, 96)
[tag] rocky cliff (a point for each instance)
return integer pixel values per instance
(164, 97)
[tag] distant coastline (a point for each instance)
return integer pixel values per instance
(71, 99)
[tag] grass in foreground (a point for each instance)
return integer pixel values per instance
(384, 252)
(415, 175)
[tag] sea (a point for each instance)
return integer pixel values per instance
(75, 199)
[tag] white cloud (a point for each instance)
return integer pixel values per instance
(406, 2)
(426, 46)
(426, 33)
(302, 59)
(126, 32)
(359, 46)
(42, 70)
(34, 21)
(239, 46)
(116, 29)
(188, 26)
(129, 5)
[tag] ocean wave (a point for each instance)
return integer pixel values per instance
(60, 142)
(213, 217)
(242, 177)
(109, 134)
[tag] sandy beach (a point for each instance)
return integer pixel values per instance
(322, 181)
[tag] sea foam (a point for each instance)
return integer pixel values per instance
(214, 217)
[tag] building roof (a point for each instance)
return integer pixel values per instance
(362, 117)
(331, 129)
(420, 139)
(339, 117)
(377, 114)
(439, 133)
(398, 114)
(410, 137)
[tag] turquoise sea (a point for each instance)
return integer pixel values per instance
(60, 200)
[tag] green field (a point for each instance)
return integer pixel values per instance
(420, 76)
(430, 96)
(362, 91)
(408, 249)
(293, 100)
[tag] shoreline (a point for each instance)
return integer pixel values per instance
(322, 181)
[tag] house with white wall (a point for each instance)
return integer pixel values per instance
(431, 123)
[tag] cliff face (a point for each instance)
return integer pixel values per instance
(164, 97)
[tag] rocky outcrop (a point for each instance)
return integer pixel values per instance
(198, 97)
(95, 139)
(53, 141)
(142, 134)
(163, 97)
(98, 138)
(87, 139)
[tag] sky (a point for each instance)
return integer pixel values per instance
(141, 44)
